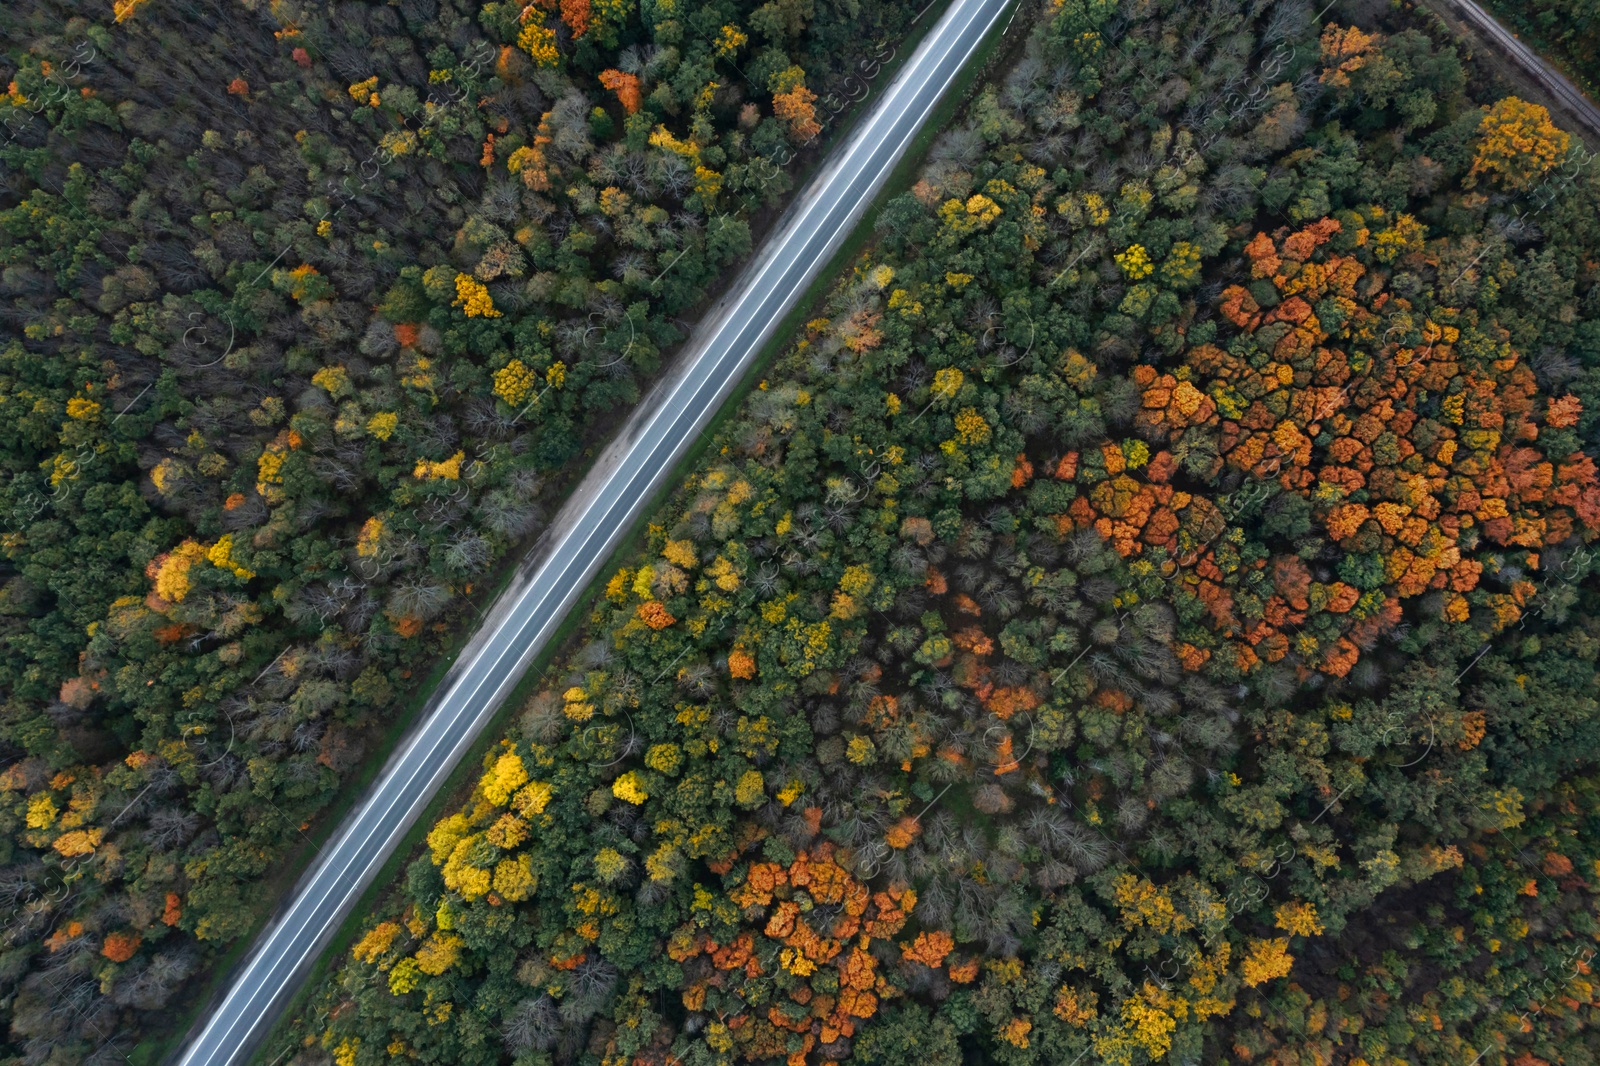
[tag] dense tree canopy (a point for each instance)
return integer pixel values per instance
(1569, 29)
(1145, 615)
(312, 311)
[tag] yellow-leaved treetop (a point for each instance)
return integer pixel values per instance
(978, 211)
(1135, 262)
(448, 469)
(334, 379)
(76, 842)
(377, 941)
(220, 555)
(461, 872)
(507, 831)
(82, 408)
(504, 778)
(664, 758)
(171, 571)
(444, 836)
(383, 424)
(473, 298)
(1517, 143)
(680, 553)
(514, 382)
(730, 40)
(630, 787)
(122, 10)
(751, 790)
(369, 537)
(42, 811)
(610, 865)
(576, 705)
(514, 879)
(971, 428)
(1299, 919)
(532, 799)
(947, 382)
(723, 573)
(438, 954)
(539, 41)
(1143, 903)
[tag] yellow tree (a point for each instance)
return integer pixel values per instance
(1517, 143)
(626, 86)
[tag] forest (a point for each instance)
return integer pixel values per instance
(1569, 30)
(1146, 615)
(312, 314)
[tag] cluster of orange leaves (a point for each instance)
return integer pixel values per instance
(1439, 436)
(741, 664)
(783, 904)
(530, 162)
(970, 669)
(575, 13)
(120, 946)
(654, 614)
(1345, 50)
(64, 936)
(797, 109)
(626, 86)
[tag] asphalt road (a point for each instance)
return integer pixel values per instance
(603, 508)
(1533, 65)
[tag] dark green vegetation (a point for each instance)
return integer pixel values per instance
(1566, 30)
(1145, 616)
(310, 313)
